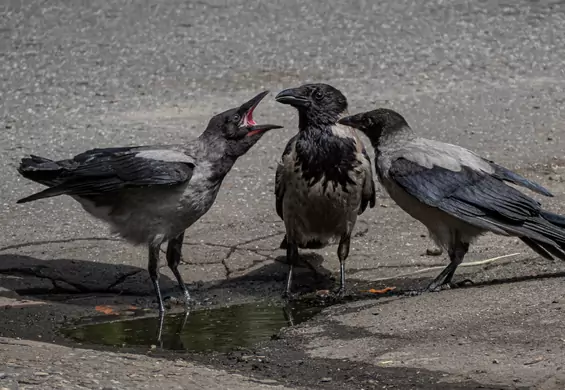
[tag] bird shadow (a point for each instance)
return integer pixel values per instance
(62, 279)
(28, 275)
(269, 279)
(59, 279)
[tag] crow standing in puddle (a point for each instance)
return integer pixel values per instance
(455, 193)
(151, 194)
(325, 178)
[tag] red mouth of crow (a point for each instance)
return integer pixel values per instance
(248, 118)
(248, 121)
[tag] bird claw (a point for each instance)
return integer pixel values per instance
(339, 292)
(413, 293)
(289, 296)
(451, 285)
(463, 283)
(437, 288)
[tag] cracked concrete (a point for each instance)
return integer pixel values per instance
(487, 76)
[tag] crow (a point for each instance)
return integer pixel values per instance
(325, 179)
(152, 194)
(457, 194)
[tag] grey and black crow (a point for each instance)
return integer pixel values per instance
(455, 193)
(151, 194)
(325, 179)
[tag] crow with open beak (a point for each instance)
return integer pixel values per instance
(455, 193)
(325, 179)
(151, 194)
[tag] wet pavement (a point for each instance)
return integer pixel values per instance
(486, 75)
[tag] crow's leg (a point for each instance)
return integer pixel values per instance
(456, 254)
(160, 329)
(174, 256)
(287, 311)
(342, 253)
(292, 259)
(153, 268)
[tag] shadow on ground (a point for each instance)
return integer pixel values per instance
(52, 279)
(55, 280)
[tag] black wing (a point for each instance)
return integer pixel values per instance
(466, 194)
(279, 182)
(105, 171)
(512, 177)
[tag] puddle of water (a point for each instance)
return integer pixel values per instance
(221, 329)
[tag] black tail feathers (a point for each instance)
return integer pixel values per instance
(43, 171)
(556, 219)
(40, 169)
(548, 235)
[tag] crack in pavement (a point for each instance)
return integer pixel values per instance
(62, 241)
(123, 278)
(78, 287)
(236, 247)
(37, 274)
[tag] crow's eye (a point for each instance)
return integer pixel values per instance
(236, 118)
(318, 94)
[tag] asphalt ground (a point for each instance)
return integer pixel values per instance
(487, 75)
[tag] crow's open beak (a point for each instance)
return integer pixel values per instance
(248, 121)
(261, 129)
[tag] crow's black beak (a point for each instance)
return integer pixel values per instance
(350, 121)
(250, 105)
(261, 129)
(247, 108)
(292, 97)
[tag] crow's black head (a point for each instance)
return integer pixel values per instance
(317, 104)
(237, 127)
(377, 123)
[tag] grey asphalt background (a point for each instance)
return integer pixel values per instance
(487, 75)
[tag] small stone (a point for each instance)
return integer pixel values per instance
(327, 379)
(40, 373)
(434, 251)
(495, 361)
(3, 375)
